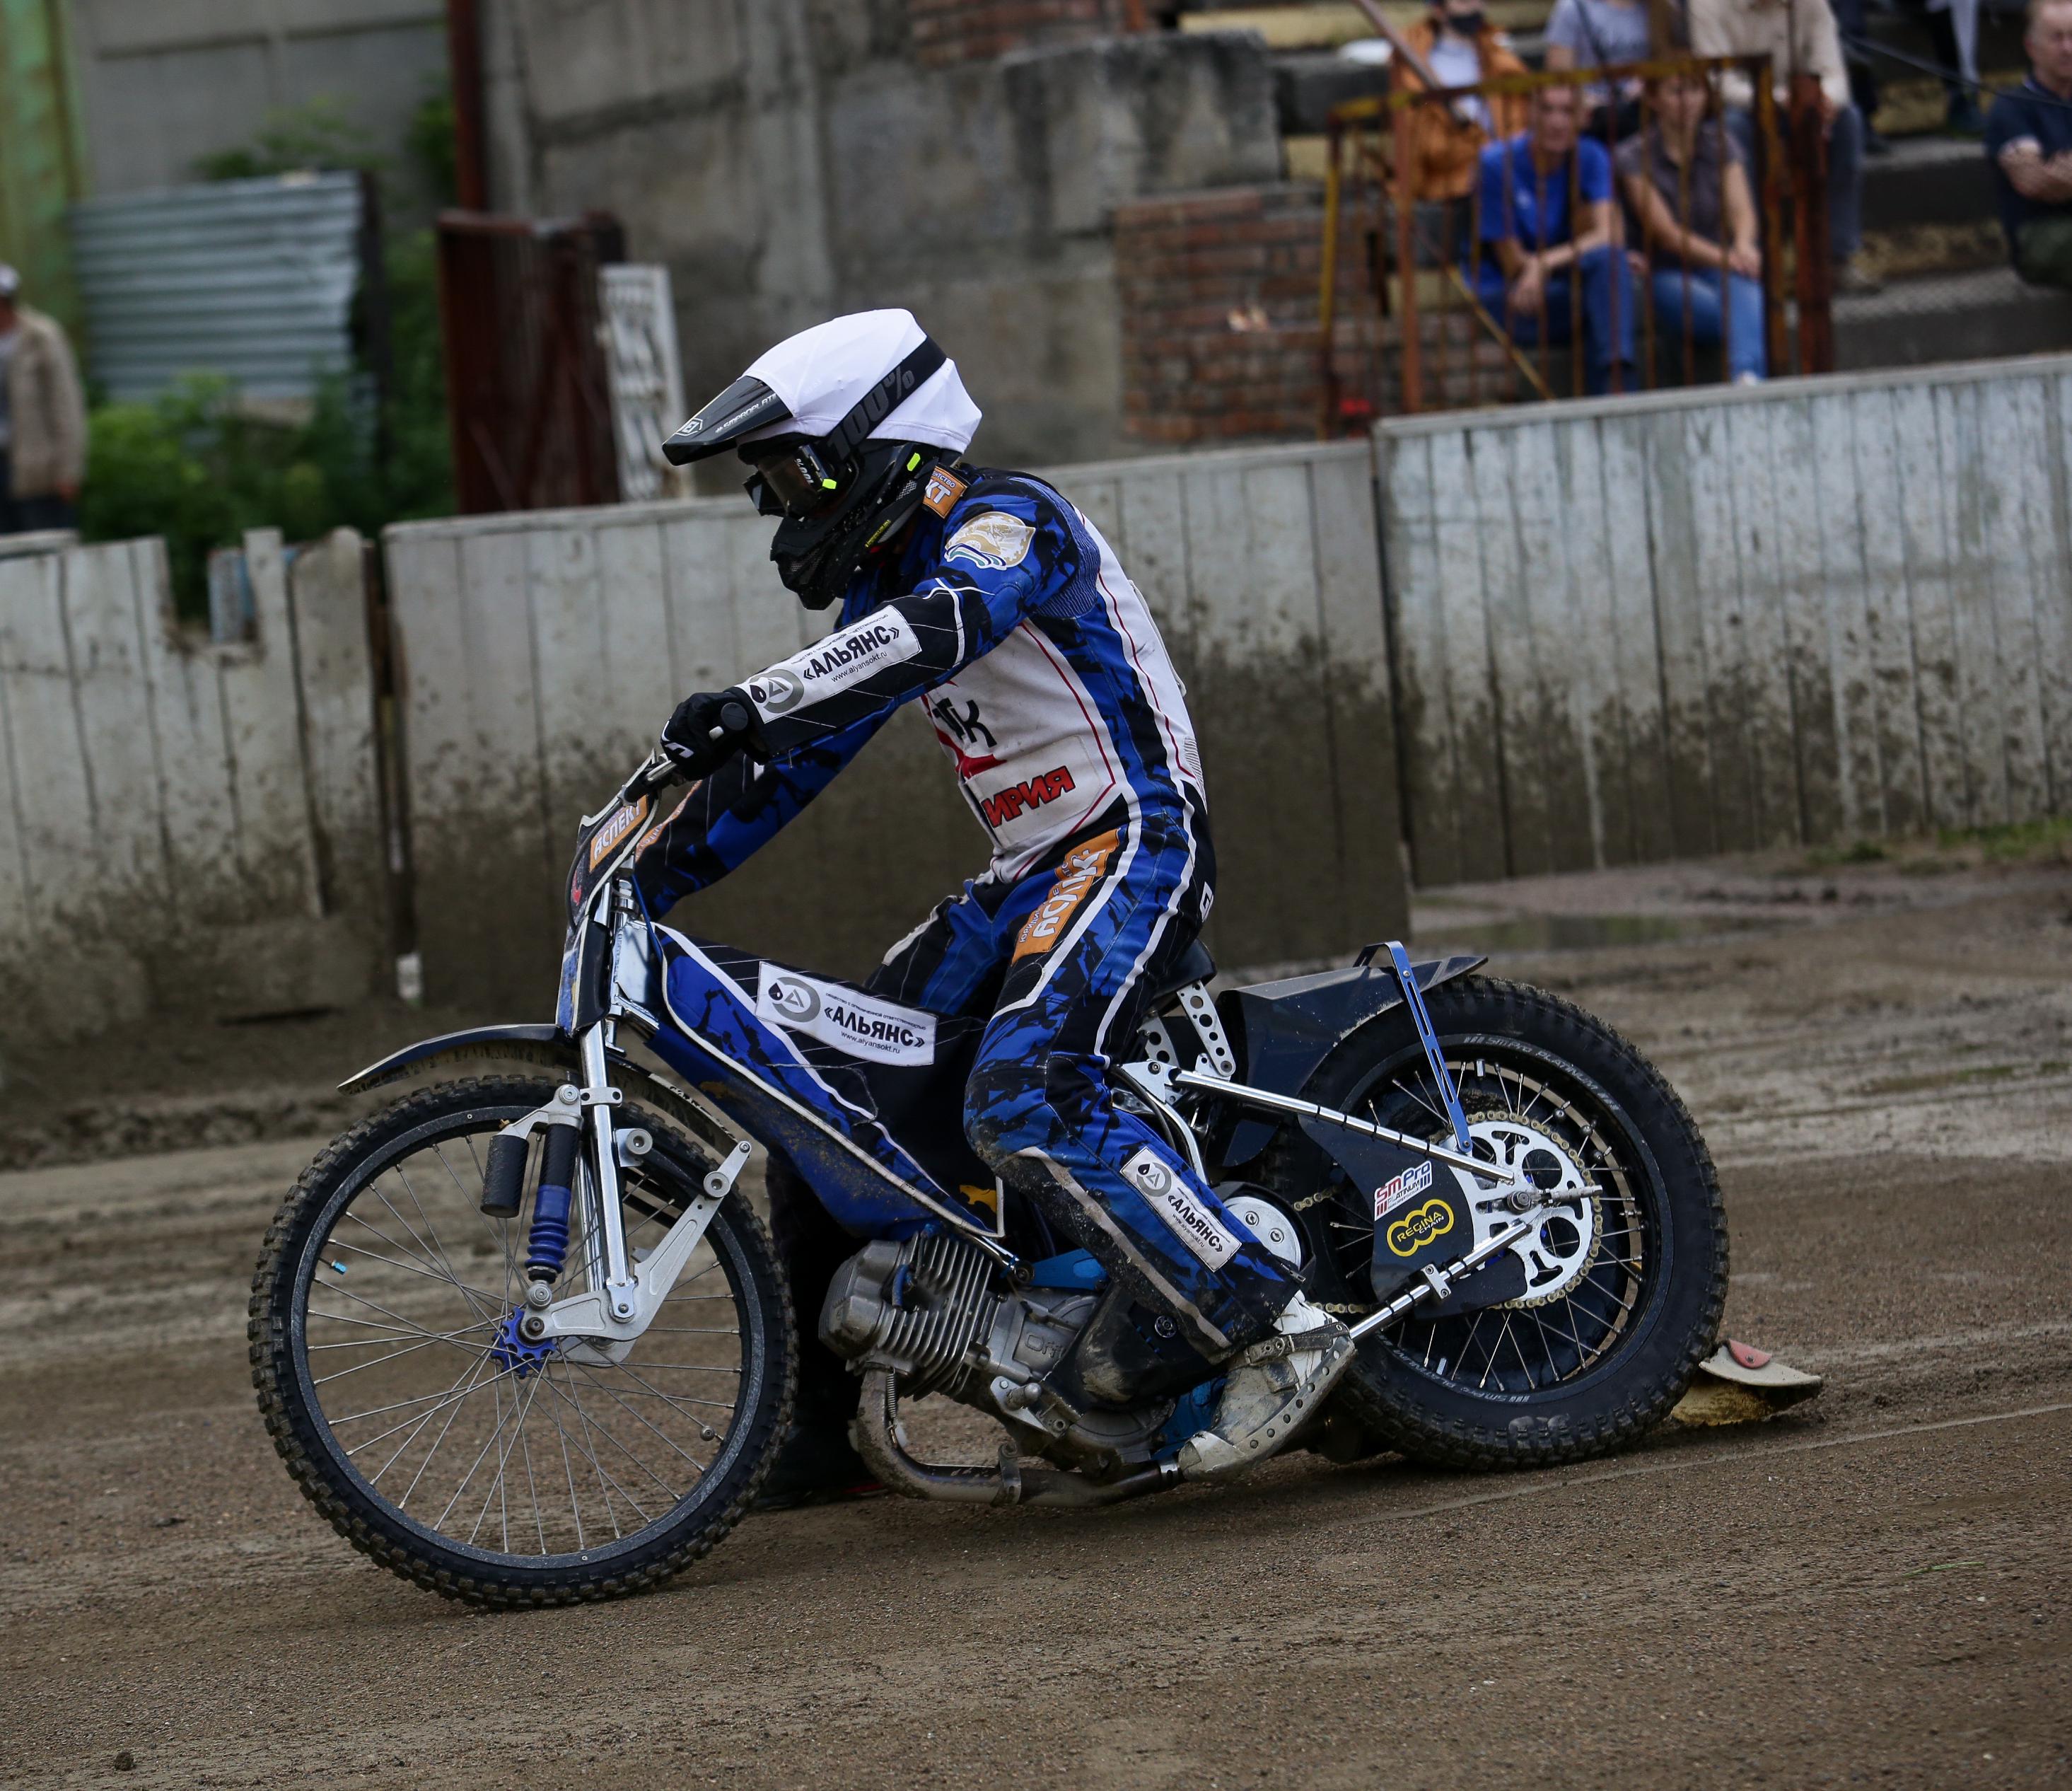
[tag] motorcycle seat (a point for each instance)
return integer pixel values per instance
(1194, 965)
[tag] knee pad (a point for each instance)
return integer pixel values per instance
(1004, 1111)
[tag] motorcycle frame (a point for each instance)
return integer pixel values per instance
(623, 1297)
(613, 975)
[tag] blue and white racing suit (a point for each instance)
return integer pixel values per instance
(1008, 616)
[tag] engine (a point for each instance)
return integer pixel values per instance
(925, 1309)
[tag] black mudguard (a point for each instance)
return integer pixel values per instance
(550, 1046)
(531, 1045)
(1285, 1030)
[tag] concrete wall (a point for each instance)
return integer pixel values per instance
(791, 159)
(1652, 628)
(186, 827)
(541, 654)
(167, 81)
(1614, 631)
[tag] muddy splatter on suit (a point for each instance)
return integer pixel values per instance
(1008, 616)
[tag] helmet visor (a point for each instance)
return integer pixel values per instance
(792, 480)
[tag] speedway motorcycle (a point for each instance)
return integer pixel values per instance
(523, 1338)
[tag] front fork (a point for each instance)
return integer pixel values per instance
(599, 1098)
(603, 1321)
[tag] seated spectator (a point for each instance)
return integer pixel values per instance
(1600, 33)
(1463, 49)
(1799, 36)
(1530, 240)
(2028, 139)
(1687, 184)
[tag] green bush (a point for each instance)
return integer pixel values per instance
(196, 467)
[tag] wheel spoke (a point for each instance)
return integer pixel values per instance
(447, 1400)
(641, 1418)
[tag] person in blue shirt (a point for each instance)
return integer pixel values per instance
(1549, 230)
(2028, 142)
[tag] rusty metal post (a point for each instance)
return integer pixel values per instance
(1815, 281)
(1770, 178)
(470, 143)
(1616, 267)
(1327, 296)
(1715, 120)
(1406, 269)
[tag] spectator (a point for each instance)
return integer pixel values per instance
(1855, 32)
(43, 418)
(1687, 183)
(1546, 209)
(2029, 137)
(1800, 37)
(1600, 33)
(1461, 48)
(1953, 27)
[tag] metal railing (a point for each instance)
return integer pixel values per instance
(1423, 327)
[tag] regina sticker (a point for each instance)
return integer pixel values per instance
(1208, 1238)
(844, 1018)
(1417, 1228)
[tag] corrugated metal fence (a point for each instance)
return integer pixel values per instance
(253, 279)
(1648, 628)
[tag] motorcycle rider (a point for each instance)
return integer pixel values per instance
(988, 597)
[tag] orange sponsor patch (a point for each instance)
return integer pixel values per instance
(615, 830)
(944, 489)
(1083, 868)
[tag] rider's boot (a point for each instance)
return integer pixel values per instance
(1126, 1353)
(816, 1464)
(1276, 1386)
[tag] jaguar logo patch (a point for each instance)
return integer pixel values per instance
(995, 541)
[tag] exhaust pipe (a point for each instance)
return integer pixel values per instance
(881, 1440)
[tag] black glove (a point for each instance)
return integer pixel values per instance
(709, 729)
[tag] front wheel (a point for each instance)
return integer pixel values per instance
(414, 1416)
(1624, 1284)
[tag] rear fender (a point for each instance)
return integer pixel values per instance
(1285, 1030)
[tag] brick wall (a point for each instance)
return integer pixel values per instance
(1221, 331)
(945, 31)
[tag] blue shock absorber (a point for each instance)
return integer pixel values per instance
(547, 1244)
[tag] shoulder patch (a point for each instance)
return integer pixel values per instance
(993, 539)
(944, 489)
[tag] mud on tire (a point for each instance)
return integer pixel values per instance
(1660, 1255)
(613, 1566)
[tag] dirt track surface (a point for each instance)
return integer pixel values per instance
(1875, 1590)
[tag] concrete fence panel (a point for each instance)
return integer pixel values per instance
(156, 845)
(1639, 628)
(542, 652)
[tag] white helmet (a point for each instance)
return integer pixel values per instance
(843, 423)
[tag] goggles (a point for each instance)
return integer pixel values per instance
(793, 482)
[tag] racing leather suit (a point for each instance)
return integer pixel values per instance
(1045, 678)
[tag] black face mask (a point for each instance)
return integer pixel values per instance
(1465, 24)
(875, 491)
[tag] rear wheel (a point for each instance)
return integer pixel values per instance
(1624, 1284)
(394, 1384)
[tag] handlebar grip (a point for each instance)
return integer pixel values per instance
(733, 718)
